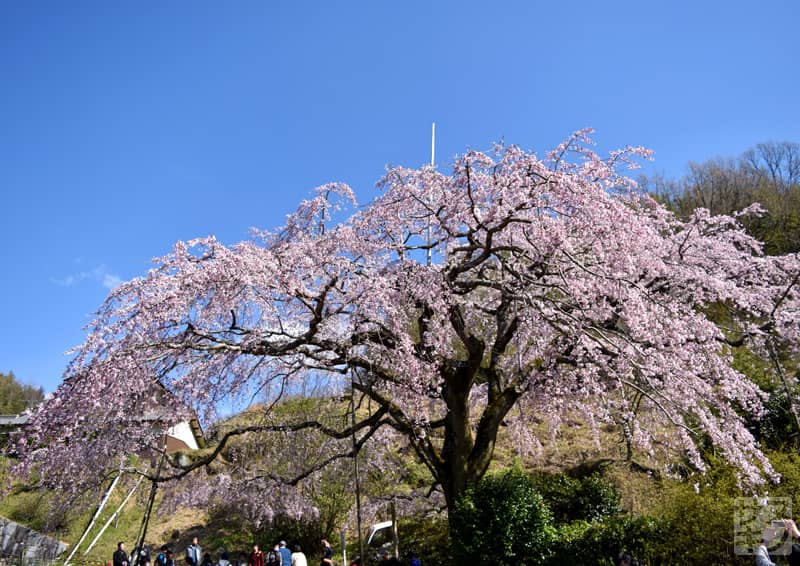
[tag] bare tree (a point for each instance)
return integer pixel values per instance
(776, 162)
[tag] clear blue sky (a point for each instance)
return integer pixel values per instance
(125, 126)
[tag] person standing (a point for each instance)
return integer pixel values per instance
(194, 553)
(794, 536)
(143, 556)
(274, 557)
(387, 559)
(257, 556)
(762, 555)
(120, 556)
(286, 554)
(327, 554)
(298, 558)
(161, 557)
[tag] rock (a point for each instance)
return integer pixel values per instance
(19, 541)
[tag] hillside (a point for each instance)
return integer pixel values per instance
(220, 527)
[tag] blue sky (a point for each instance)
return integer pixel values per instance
(125, 126)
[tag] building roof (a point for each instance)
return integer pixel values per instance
(13, 420)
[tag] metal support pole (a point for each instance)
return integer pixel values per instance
(94, 518)
(114, 516)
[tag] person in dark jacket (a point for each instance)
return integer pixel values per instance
(273, 557)
(120, 556)
(327, 554)
(141, 556)
(388, 560)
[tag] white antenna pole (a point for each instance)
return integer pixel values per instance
(433, 144)
(429, 251)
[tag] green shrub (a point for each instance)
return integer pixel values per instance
(598, 543)
(232, 532)
(502, 521)
(700, 524)
(428, 537)
(571, 499)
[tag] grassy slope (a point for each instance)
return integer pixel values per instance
(571, 449)
(32, 508)
(176, 527)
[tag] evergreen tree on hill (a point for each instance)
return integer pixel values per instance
(15, 397)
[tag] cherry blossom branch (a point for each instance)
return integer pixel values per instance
(373, 420)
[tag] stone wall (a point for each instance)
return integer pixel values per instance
(19, 542)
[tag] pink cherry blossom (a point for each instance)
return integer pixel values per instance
(555, 288)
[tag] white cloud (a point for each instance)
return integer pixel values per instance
(111, 280)
(99, 274)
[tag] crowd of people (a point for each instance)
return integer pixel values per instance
(279, 555)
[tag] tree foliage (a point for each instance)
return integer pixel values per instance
(768, 173)
(599, 543)
(15, 397)
(513, 289)
(590, 498)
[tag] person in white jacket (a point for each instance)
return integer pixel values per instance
(298, 558)
(762, 556)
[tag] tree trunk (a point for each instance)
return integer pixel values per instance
(458, 443)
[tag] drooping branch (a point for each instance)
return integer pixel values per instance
(421, 444)
(372, 423)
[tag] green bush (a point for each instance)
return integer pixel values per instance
(699, 520)
(571, 499)
(776, 427)
(787, 464)
(502, 521)
(598, 543)
(429, 538)
(236, 535)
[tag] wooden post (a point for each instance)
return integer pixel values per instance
(148, 509)
(395, 538)
(361, 549)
